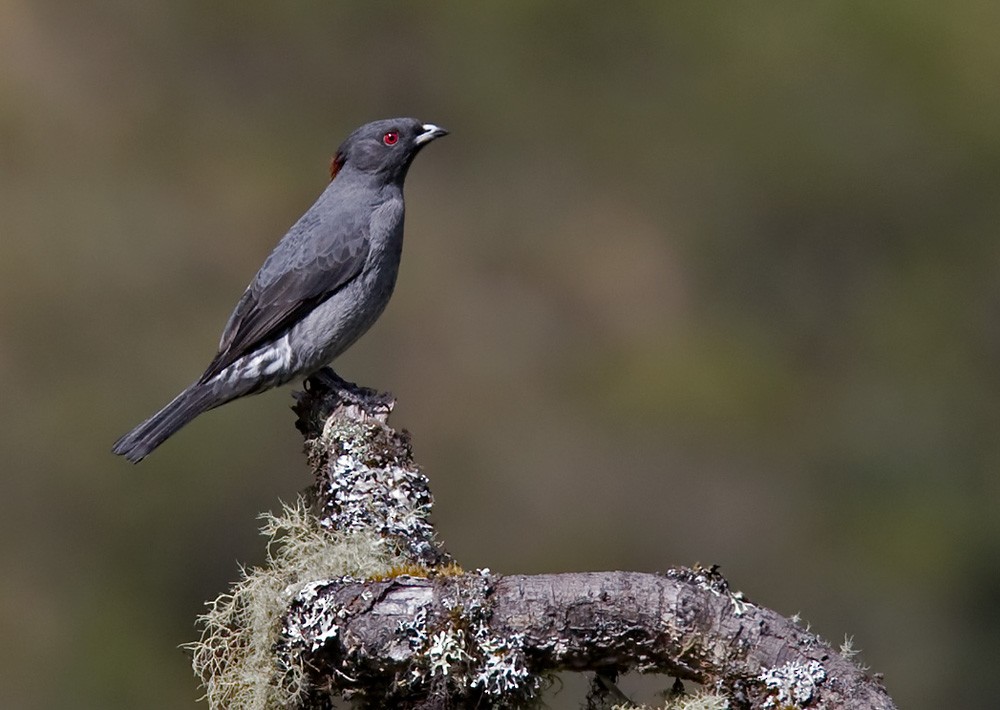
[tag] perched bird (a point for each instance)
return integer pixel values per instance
(323, 286)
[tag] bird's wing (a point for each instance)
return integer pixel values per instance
(315, 259)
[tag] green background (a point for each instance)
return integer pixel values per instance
(687, 283)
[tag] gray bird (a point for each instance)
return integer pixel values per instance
(326, 282)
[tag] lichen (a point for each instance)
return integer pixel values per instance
(793, 683)
(414, 630)
(703, 700)
(370, 484)
(446, 649)
(847, 649)
(502, 669)
(710, 579)
(234, 656)
(462, 650)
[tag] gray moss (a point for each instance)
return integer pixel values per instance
(699, 701)
(234, 656)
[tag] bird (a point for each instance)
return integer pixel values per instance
(321, 288)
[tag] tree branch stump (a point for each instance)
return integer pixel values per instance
(426, 634)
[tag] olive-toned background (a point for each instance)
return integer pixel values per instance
(687, 282)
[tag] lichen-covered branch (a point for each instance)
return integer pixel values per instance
(366, 480)
(488, 637)
(359, 600)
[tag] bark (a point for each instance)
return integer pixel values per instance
(434, 636)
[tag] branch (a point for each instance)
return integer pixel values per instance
(422, 633)
(507, 630)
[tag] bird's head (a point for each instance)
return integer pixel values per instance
(384, 148)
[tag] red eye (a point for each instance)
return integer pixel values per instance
(391, 138)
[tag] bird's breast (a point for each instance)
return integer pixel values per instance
(336, 323)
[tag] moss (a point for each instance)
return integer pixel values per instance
(235, 655)
(698, 701)
(407, 569)
(452, 569)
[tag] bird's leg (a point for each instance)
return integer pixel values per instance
(326, 378)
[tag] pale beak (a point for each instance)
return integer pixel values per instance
(430, 133)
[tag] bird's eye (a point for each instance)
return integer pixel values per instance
(391, 138)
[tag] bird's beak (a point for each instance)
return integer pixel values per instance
(430, 133)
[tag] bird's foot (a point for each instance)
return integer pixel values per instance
(326, 382)
(326, 378)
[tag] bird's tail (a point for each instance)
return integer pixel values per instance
(139, 442)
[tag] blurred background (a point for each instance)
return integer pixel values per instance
(685, 284)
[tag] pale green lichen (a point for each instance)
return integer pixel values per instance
(847, 649)
(699, 701)
(792, 684)
(460, 653)
(235, 655)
